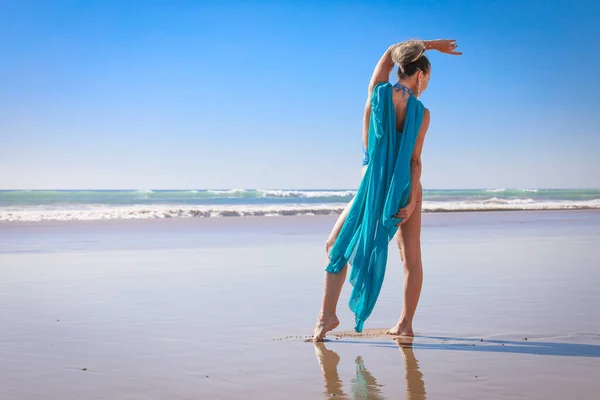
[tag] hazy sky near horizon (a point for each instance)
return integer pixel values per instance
(270, 94)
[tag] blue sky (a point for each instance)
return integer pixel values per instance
(270, 94)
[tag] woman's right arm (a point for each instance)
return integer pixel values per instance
(416, 168)
(415, 161)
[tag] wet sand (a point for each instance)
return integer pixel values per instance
(218, 309)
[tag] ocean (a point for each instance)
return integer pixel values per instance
(41, 205)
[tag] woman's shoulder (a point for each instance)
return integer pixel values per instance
(382, 85)
(421, 106)
(380, 91)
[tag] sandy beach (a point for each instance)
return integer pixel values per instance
(170, 173)
(219, 309)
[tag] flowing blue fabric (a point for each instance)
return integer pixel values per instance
(385, 188)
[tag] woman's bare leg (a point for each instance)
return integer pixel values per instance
(332, 286)
(409, 242)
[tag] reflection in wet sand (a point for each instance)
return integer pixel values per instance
(328, 361)
(415, 385)
(364, 385)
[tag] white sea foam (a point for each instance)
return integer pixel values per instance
(309, 193)
(280, 193)
(509, 205)
(515, 190)
(495, 200)
(166, 211)
(228, 191)
(100, 212)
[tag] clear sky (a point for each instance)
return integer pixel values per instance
(270, 94)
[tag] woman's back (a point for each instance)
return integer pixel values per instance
(400, 98)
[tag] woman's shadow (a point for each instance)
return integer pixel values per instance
(364, 385)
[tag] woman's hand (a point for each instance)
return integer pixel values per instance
(447, 46)
(405, 213)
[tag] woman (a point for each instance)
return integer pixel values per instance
(356, 227)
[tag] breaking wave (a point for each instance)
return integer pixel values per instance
(102, 212)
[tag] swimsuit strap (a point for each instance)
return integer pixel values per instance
(398, 86)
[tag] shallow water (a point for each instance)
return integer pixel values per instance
(218, 309)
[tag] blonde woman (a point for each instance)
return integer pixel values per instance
(388, 201)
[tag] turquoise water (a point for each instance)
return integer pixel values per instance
(253, 196)
(34, 205)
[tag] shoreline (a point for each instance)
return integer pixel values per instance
(266, 215)
(290, 216)
(178, 233)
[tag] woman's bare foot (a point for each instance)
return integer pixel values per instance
(402, 328)
(324, 325)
